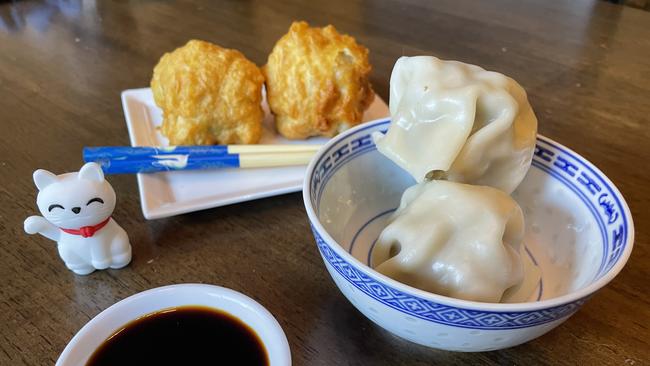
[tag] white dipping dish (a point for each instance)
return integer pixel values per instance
(579, 232)
(97, 330)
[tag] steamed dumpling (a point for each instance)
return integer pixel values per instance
(455, 240)
(473, 124)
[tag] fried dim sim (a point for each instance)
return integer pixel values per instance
(317, 82)
(208, 95)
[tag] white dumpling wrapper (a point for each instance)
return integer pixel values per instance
(455, 240)
(473, 124)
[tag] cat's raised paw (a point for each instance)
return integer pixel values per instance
(35, 224)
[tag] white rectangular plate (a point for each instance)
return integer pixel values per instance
(172, 193)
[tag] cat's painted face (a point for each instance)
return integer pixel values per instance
(73, 200)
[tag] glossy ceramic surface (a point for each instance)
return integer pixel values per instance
(86, 341)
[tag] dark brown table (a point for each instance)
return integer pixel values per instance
(585, 65)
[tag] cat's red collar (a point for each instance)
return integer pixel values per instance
(87, 231)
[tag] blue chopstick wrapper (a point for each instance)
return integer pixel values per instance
(125, 152)
(152, 162)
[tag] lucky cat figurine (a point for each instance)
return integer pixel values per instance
(76, 209)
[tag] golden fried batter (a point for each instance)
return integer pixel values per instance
(317, 82)
(208, 95)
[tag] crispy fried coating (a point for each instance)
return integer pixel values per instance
(208, 95)
(317, 82)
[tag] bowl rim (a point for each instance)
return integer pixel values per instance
(277, 342)
(571, 297)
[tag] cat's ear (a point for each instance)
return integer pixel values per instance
(43, 178)
(91, 171)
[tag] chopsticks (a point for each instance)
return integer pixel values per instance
(145, 159)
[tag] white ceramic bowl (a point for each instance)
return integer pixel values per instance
(579, 232)
(93, 334)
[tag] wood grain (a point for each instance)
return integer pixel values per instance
(63, 65)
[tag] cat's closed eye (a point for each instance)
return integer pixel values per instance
(96, 199)
(52, 207)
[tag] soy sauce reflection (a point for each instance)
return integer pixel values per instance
(187, 335)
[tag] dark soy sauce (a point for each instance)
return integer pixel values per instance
(187, 335)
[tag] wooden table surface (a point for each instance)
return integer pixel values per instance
(585, 65)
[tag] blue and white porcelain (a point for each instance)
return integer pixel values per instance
(579, 232)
